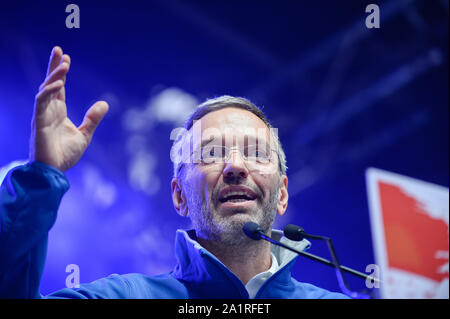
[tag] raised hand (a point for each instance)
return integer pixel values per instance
(55, 140)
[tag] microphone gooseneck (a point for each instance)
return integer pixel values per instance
(296, 233)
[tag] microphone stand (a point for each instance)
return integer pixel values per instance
(335, 264)
(340, 276)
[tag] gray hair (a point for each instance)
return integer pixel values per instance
(215, 104)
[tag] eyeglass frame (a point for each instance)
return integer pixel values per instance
(240, 149)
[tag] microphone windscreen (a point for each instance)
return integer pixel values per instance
(294, 232)
(252, 230)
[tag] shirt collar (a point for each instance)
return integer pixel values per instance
(202, 271)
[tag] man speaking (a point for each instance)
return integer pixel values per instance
(229, 169)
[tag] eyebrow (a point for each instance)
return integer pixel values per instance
(258, 141)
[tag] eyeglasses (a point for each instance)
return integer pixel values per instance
(209, 154)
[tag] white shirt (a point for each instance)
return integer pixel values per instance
(280, 258)
(256, 282)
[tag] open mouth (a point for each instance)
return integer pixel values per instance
(236, 198)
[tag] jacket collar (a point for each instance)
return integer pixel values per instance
(205, 276)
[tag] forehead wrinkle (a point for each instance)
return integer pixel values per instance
(237, 122)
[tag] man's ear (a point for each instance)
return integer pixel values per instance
(178, 198)
(283, 196)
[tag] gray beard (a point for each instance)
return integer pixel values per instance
(228, 231)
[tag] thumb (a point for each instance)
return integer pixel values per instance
(92, 118)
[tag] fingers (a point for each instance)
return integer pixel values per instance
(58, 67)
(59, 73)
(92, 118)
(55, 59)
(65, 59)
(44, 95)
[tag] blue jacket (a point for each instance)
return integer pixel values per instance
(29, 200)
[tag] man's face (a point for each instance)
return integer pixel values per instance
(222, 196)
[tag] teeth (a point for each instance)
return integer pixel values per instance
(237, 200)
(236, 193)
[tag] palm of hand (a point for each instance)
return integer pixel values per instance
(55, 140)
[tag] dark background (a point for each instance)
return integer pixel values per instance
(343, 97)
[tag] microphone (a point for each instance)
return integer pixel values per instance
(253, 230)
(296, 233)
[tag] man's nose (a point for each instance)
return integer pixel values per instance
(235, 165)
